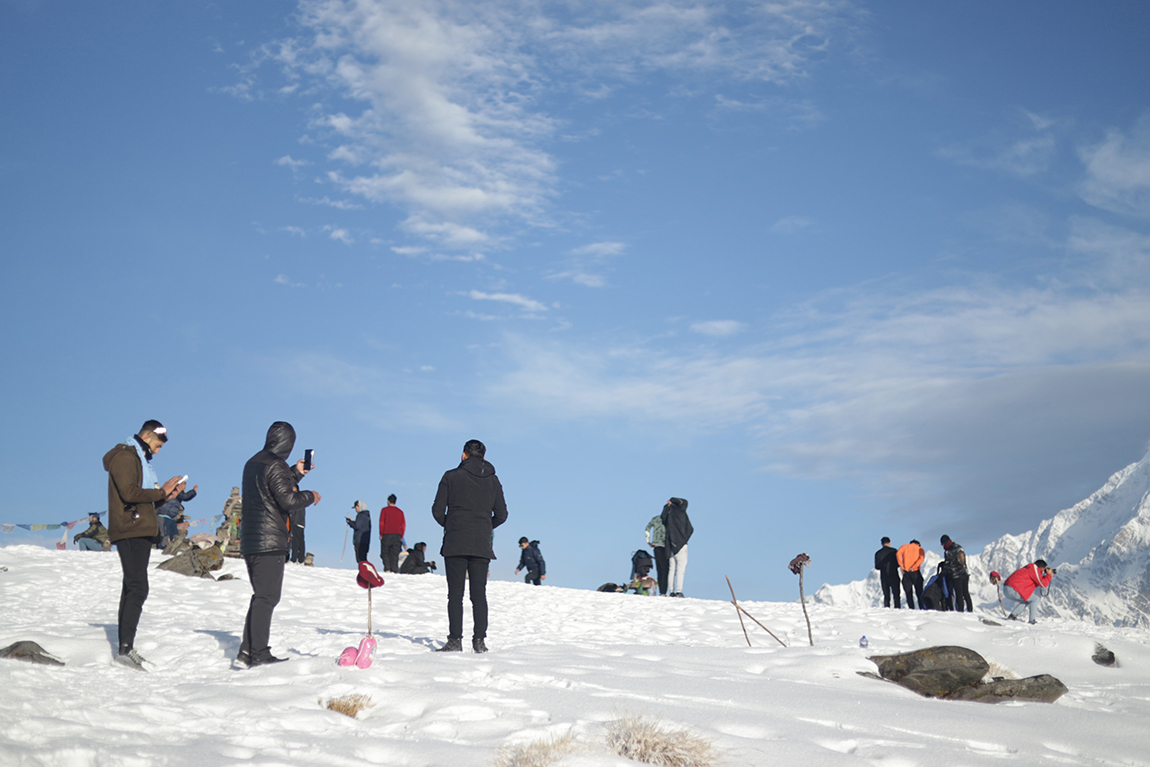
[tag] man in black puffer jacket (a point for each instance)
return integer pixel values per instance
(469, 505)
(271, 495)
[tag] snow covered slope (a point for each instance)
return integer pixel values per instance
(1100, 546)
(561, 661)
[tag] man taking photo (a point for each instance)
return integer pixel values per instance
(271, 496)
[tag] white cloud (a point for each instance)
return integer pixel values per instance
(718, 327)
(283, 279)
(294, 231)
(442, 101)
(975, 391)
(1006, 151)
(328, 202)
(586, 263)
(339, 234)
(287, 161)
(527, 304)
(791, 224)
(1118, 171)
(1023, 157)
(600, 249)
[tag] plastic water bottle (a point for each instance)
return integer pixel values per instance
(863, 642)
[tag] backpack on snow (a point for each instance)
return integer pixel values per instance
(641, 564)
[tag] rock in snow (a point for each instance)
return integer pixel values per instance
(956, 673)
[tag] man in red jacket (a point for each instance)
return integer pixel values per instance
(1023, 586)
(392, 526)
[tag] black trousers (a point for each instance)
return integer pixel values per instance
(533, 577)
(890, 589)
(474, 571)
(912, 585)
(361, 548)
(134, 555)
(389, 548)
(266, 573)
(960, 588)
(662, 567)
(298, 549)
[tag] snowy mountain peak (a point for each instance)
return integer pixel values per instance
(1101, 547)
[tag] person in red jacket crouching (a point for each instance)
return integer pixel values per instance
(1027, 585)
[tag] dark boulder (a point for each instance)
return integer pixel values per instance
(935, 671)
(956, 673)
(1103, 657)
(31, 652)
(1042, 688)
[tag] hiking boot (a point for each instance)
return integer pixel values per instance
(130, 658)
(244, 658)
(453, 645)
(478, 645)
(264, 660)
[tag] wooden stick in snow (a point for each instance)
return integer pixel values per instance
(738, 610)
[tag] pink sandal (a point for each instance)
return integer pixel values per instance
(366, 651)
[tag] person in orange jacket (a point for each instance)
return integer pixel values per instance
(1023, 587)
(910, 558)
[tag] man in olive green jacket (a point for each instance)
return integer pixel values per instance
(133, 492)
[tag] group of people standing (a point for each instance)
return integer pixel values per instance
(667, 534)
(949, 588)
(903, 567)
(392, 546)
(469, 505)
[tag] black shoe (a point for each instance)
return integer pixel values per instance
(264, 660)
(453, 645)
(478, 645)
(130, 658)
(244, 658)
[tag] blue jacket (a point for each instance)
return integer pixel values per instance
(531, 559)
(360, 526)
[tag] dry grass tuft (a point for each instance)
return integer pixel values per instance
(653, 742)
(539, 753)
(350, 705)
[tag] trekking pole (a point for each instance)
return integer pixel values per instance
(344, 543)
(369, 612)
(738, 611)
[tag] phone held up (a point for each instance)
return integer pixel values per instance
(307, 456)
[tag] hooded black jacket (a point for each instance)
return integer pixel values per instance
(678, 525)
(469, 505)
(532, 559)
(271, 494)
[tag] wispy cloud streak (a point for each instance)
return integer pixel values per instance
(444, 104)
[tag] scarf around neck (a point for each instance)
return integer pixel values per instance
(148, 479)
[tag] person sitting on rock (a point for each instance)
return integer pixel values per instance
(1026, 586)
(95, 538)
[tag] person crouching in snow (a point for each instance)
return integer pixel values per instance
(415, 563)
(1024, 584)
(532, 561)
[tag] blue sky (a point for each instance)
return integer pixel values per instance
(828, 270)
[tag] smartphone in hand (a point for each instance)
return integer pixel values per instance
(307, 455)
